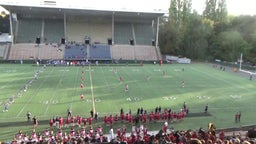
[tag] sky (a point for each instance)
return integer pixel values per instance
(235, 7)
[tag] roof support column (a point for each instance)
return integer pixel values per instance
(65, 26)
(11, 28)
(157, 30)
(113, 27)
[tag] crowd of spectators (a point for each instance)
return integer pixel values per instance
(138, 135)
(82, 130)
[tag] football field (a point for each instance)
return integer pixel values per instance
(48, 92)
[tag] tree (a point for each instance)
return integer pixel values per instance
(231, 45)
(212, 35)
(210, 9)
(172, 34)
(197, 33)
(216, 10)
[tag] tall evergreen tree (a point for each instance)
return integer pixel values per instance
(216, 10)
(221, 12)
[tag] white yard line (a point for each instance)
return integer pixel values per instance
(93, 101)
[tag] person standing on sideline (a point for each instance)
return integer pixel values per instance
(69, 112)
(236, 117)
(239, 116)
(29, 116)
(35, 122)
(91, 112)
(206, 108)
(96, 116)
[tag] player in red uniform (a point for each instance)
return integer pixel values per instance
(67, 122)
(81, 85)
(82, 97)
(60, 122)
(160, 62)
(116, 118)
(110, 118)
(121, 79)
(90, 121)
(51, 123)
(84, 121)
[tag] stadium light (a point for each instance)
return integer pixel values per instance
(3, 14)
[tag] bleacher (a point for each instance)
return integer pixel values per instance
(2, 50)
(145, 52)
(75, 51)
(125, 52)
(51, 51)
(98, 29)
(123, 33)
(143, 34)
(100, 52)
(28, 30)
(53, 30)
(23, 51)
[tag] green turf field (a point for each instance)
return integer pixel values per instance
(58, 88)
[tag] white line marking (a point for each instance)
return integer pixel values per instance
(93, 102)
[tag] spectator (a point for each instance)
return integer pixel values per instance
(206, 108)
(96, 116)
(91, 112)
(69, 112)
(29, 116)
(35, 122)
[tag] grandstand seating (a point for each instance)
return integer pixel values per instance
(33, 51)
(100, 52)
(23, 51)
(125, 52)
(28, 30)
(99, 30)
(53, 30)
(51, 51)
(145, 52)
(143, 34)
(2, 50)
(75, 51)
(123, 33)
(81, 51)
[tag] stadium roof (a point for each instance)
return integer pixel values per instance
(56, 8)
